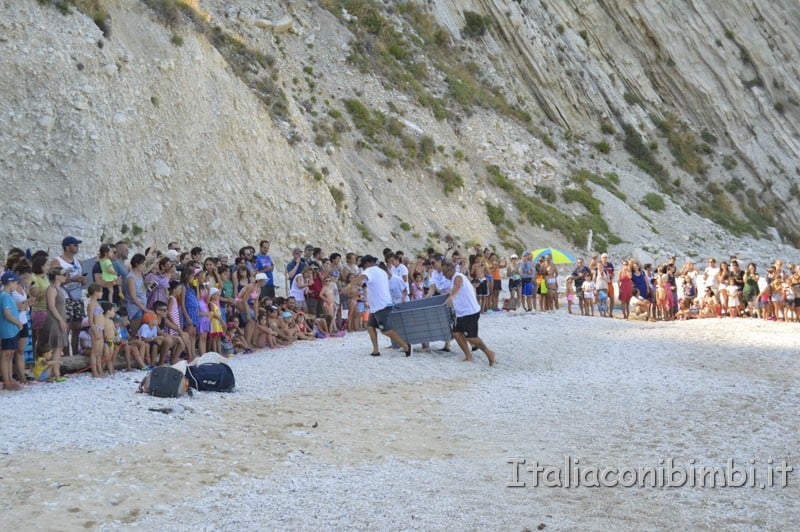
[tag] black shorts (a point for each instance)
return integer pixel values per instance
(268, 291)
(380, 320)
(513, 284)
(468, 325)
(498, 285)
(483, 288)
(25, 331)
(9, 344)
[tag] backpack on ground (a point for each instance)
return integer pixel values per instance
(165, 381)
(211, 377)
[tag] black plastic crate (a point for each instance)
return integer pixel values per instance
(423, 320)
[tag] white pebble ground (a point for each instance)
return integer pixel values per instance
(322, 436)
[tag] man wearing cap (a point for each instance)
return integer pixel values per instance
(73, 287)
(9, 330)
(379, 301)
(468, 311)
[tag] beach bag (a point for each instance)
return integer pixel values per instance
(211, 377)
(165, 381)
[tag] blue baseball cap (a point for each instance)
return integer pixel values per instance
(69, 241)
(287, 314)
(9, 277)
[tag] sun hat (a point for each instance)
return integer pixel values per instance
(214, 290)
(171, 254)
(514, 256)
(261, 276)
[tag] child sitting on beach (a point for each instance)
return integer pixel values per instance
(43, 367)
(85, 338)
(124, 345)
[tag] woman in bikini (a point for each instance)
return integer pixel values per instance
(328, 302)
(247, 303)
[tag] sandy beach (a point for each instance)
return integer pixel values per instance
(321, 435)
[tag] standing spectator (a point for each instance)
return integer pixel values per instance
(120, 259)
(20, 294)
(578, 276)
(528, 273)
(315, 285)
(55, 328)
(625, 289)
(751, 289)
(265, 265)
(308, 254)
(247, 254)
(72, 285)
(711, 276)
(39, 284)
(136, 294)
(157, 282)
(609, 268)
(296, 265)
(514, 274)
(10, 327)
(197, 254)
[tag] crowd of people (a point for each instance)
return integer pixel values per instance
(157, 307)
(667, 292)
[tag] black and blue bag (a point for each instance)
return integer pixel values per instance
(211, 378)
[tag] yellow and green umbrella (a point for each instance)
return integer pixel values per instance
(558, 256)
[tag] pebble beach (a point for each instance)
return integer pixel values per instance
(321, 435)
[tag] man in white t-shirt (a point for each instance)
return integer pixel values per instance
(379, 301)
(468, 311)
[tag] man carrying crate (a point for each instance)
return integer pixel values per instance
(468, 311)
(379, 301)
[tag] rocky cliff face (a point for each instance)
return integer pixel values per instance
(365, 124)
